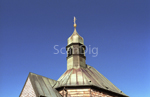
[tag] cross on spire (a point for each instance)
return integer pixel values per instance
(74, 20)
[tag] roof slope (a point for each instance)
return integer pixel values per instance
(87, 76)
(43, 86)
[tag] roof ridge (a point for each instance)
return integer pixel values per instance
(66, 76)
(41, 76)
(85, 77)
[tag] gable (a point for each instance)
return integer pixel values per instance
(39, 86)
(28, 90)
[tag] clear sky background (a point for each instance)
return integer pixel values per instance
(120, 29)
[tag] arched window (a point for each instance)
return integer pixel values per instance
(81, 51)
(69, 52)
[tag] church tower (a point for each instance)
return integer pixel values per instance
(79, 80)
(75, 50)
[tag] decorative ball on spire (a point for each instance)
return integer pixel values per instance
(75, 25)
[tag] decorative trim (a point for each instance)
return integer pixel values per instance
(91, 87)
(76, 44)
(81, 55)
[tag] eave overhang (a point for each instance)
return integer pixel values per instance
(91, 87)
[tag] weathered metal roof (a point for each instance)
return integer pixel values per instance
(87, 76)
(43, 87)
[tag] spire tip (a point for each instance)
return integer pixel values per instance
(75, 25)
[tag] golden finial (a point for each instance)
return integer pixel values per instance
(75, 25)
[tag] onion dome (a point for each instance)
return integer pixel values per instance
(75, 37)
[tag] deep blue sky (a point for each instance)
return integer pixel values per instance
(120, 29)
